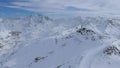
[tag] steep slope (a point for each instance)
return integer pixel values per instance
(37, 41)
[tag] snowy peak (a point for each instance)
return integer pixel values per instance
(38, 18)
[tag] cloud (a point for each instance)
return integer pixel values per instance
(13, 1)
(51, 6)
(66, 6)
(71, 8)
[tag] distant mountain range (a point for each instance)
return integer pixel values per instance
(37, 41)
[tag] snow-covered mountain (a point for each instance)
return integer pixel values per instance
(38, 41)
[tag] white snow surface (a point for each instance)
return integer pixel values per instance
(38, 41)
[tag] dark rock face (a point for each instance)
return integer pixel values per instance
(88, 33)
(85, 31)
(112, 50)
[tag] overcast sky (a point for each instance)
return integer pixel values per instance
(25, 7)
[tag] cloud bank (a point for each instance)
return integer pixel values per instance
(67, 6)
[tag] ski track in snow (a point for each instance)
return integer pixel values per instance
(92, 54)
